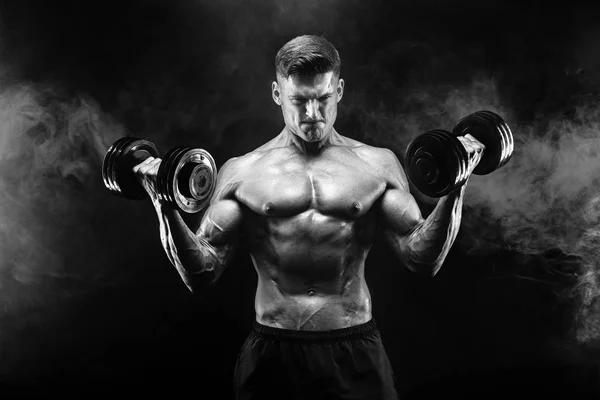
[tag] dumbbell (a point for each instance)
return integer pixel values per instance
(436, 161)
(186, 176)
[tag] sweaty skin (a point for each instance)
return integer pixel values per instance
(308, 204)
(310, 222)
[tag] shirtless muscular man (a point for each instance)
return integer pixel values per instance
(308, 204)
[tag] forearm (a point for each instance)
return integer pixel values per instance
(193, 257)
(430, 241)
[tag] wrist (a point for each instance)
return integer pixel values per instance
(160, 206)
(454, 194)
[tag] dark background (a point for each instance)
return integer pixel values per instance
(89, 303)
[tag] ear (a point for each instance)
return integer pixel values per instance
(276, 93)
(340, 89)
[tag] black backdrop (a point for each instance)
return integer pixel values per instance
(89, 302)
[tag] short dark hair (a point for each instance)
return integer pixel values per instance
(307, 55)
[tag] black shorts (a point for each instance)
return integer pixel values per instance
(349, 363)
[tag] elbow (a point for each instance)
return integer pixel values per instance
(423, 264)
(425, 270)
(196, 276)
(194, 288)
(200, 283)
(433, 270)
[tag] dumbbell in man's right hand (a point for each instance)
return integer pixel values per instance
(185, 178)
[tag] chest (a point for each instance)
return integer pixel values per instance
(341, 187)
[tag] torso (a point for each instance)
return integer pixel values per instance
(310, 222)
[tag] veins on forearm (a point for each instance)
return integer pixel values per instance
(431, 240)
(205, 258)
(190, 253)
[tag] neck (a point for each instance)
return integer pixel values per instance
(311, 148)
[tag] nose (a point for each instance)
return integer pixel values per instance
(312, 110)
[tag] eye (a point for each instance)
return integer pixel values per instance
(324, 98)
(297, 102)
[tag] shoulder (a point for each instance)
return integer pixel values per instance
(229, 176)
(384, 162)
(236, 169)
(373, 155)
(238, 164)
(275, 147)
(363, 150)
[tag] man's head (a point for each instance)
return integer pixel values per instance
(308, 86)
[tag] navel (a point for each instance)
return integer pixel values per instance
(310, 292)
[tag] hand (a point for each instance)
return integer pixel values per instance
(474, 150)
(146, 173)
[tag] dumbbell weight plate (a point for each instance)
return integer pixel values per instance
(507, 137)
(457, 156)
(133, 154)
(423, 164)
(108, 164)
(118, 163)
(461, 156)
(436, 163)
(196, 177)
(168, 164)
(187, 178)
(491, 130)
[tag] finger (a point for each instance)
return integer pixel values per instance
(147, 164)
(473, 141)
(470, 138)
(472, 145)
(143, 169)
(155, 165)
(146, 169)
(467, 145)
(463, 141)
(143, 163)
(153, 168)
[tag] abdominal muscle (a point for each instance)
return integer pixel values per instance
(313, 311)
(311, 278)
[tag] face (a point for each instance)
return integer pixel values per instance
(309, 104)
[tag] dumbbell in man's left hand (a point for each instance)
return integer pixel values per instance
(146, 173)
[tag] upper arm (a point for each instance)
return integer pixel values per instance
(398, 208)
(222, 219)
(215, 238)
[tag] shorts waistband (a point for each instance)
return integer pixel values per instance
(352, 332)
